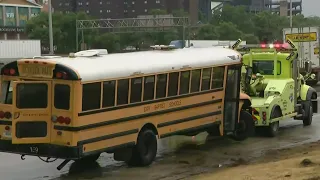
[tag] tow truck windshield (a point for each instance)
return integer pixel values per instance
(265, 67)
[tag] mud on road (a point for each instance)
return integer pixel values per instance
(296, 163)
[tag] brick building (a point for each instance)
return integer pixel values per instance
(117, 9)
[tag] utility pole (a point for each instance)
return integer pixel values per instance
(290, 13)
(50, 28)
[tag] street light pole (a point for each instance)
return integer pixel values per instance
(50, 28)
(290, 13)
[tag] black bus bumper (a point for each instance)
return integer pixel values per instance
(43, 150)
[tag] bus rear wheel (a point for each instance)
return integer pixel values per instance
(145, 151)
(245, 127)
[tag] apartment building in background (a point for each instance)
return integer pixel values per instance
(118, 9)
(281, 7)
(14, 15)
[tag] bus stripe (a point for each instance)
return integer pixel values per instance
(148, 102)
(188, 119)
(184, 131)
(109, 136)
(130, 118)
(133, 131)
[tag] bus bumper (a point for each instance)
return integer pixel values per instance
(43, 150)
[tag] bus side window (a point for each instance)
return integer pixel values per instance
(148, 93)
(161, 86)
(91, 96)
(195, 80)
(206, 74)
(123, 91)
(62, 96)
(136, 90)
(184, 82)
(173, 84)
(109, 93)
(217, 77)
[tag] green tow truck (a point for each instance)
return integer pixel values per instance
(277, 89)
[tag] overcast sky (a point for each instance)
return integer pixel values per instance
(311, 7)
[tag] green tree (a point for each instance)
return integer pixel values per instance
(207, 32)
(64, 30)
(108, 41)
(228, 31)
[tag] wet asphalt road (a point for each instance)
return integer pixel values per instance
(178, 157)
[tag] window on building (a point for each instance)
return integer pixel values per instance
(145, 2)
(100, 11)
(158, 1)
(87, 3)
(133, 2)
(133, 10)
(145, 10)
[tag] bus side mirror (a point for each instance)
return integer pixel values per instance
(307, 66)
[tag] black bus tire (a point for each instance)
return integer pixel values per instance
(245, 127)
(145, 151)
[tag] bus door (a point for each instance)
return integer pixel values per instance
(31, 121)
(231, 102)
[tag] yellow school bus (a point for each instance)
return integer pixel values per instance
(77, 107)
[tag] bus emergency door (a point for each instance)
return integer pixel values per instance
(31, 121)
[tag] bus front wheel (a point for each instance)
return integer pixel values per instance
(244, 128)
(145, 151)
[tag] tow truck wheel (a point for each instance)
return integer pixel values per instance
(145, 151)
(245, 127)
(307, 119)
(273, 128)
